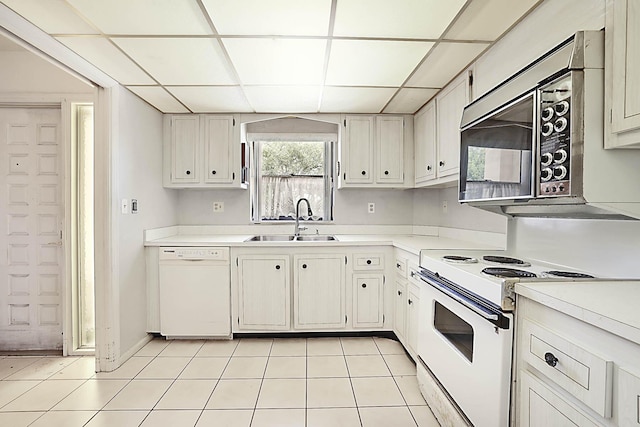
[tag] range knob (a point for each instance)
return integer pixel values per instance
(546, 174)
(546, 159)
(547, 114)
(559, 172)
(560, 156)
(547, 129)
(562, 108)
(560, 124)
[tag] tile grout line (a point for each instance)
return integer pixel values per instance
(217, 381)
(255, 406)
(353, 390)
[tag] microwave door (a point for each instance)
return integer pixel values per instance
(497, 156)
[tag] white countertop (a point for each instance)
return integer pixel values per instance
(609, 305)
(409, 243)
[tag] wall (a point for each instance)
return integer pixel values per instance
(24, 72)
(393, 207)
(138, 175)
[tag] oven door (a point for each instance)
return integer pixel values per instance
(469, 354)
(497, 153)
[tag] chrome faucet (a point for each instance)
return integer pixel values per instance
(298, 228)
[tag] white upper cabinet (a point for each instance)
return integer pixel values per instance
(425, 144)
(201, 151)
(389, 149)
(358, 150)
(373, 151)
(450, 103)
(185, 136)
(437, 136)
(622, 74)
(218, 146)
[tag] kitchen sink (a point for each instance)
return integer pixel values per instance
(315, 238)
(285, 238)
(270, 238)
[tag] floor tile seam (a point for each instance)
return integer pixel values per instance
(64, 367)
(255, 406)
(36, 359)
(353, 390)
(67, 395)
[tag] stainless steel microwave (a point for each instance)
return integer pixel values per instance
(533, 146)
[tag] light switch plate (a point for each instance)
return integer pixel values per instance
(125, 206)
(218, 207)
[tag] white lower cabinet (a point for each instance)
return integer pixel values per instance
(413, 318)
(400, 314)
(572, 373)
(368, 300)
(264, 292)
(319, 291)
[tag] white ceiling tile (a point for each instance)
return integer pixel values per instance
(444, 62)
(270, 17)
(488, 19)
(159, 98)
(283, 99)
(409, 100)
(354, 99)
(56, 18)
(373, 63)
(398, 18)
(212, 99)
(180, 61)
(144, 17)
(277, 61)
(104, 55)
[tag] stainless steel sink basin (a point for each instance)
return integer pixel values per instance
(285, 238)
(270, 238)
(315, 238)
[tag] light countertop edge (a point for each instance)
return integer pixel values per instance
(608, 305)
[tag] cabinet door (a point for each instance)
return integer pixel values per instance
(400, 314)
(542, 407)
(185, 135)
(319, 291)
(449, 114)
(367, 300)
(264, 292)
(390, 150)
(358, 150)
(425, 143)
(628, 398)
(625, 65)
(218, 149)
(413, 317)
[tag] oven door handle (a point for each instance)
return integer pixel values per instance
(498, 320)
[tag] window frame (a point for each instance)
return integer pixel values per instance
(330, 152)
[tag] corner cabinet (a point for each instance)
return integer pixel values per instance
(437, 136)
(373, 151)
(201, 151)
(622, 74)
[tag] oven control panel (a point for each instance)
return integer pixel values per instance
(555, 138)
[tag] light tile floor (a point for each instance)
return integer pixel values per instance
(315, 382)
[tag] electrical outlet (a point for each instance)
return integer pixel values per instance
(218, 207)
(444, 207)
(124, 206)
(371, 207)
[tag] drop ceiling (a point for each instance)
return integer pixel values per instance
(278, 56)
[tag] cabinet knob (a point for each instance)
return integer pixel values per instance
(363, 172)
(399, 293)
(397, 265)
(550, 359)
(304, 265)
(213, 172)
(428, 167)
(364, 285)
(441, 163)
(368, 262)
(409, 302)
(386, 172)
(188, 172)
(277, 267)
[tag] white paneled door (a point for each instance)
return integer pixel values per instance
(31, 207)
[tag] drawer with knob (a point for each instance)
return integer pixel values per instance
(373, 261)
(401, 268)
(576, 369)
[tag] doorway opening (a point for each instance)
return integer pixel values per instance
(82, 233)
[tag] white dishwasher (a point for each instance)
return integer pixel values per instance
(195, 288)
